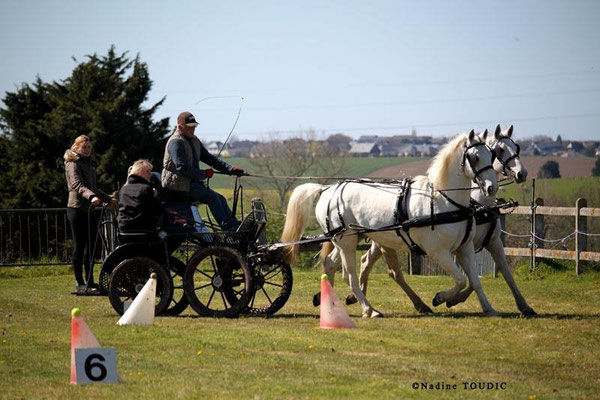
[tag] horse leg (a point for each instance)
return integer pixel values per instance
(461, 297)
(391, 258)
(496, 248)
(330, 260)
(444, 259)
(366, 265)
(347, 248)
(466, 258)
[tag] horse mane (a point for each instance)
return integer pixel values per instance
(438, 171)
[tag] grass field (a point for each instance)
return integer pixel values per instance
(557, 192)
(288, 356)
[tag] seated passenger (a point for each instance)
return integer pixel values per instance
(140, 209)
(181, 172)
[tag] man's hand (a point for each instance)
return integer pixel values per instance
(237, 171)
(96, 201)
(209, 173)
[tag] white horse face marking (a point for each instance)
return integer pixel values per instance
(506, 152)
(479, 166)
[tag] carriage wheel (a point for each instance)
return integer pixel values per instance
(212, 272)
(130, 276)
(179, 302)
(272, 288)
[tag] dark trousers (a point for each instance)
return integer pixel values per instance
(217, 204)
(84, 235)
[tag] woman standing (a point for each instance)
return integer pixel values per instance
(83, 193)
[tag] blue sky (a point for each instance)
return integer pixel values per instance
(356, 67)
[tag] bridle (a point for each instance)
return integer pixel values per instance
(476, 172)
(496, 155)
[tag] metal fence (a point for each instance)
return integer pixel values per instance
(43, 236)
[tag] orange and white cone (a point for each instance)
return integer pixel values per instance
(81, 338)
(141, 310)
(333, 313)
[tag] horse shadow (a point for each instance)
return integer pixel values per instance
(511, 315)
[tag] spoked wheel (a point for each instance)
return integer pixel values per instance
(272, 288)
(130, 276)
(212, 272)
(179, 302)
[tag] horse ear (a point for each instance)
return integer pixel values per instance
(498, 131)
(471, 135)
(510, 130)
(485, 133)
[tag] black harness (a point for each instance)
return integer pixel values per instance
(449, 217)
(401, 220)
(497, 152)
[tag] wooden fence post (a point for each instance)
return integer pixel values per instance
(540, 228)
(502, 219)
(416, 263)
(532, 238)
(580, 240)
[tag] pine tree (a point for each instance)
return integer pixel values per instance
(103, 99)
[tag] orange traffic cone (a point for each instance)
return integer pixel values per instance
(333, 313)
(81, 338)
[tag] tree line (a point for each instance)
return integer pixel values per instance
(103, 99)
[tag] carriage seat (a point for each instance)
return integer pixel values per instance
(136, 237)
(175, 196)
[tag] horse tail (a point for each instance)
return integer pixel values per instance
(326, 249)
(298, 211)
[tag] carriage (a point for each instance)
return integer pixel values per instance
(218, 274)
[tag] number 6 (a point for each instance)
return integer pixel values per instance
(90, 365)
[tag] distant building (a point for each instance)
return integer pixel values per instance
(241, 148)
(364, 150)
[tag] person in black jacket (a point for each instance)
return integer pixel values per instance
(140, 209)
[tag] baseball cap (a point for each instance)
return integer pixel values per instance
(186, 118)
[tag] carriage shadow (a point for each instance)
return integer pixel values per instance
(250, 316)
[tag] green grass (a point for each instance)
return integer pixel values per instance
(288, 356)
(562, 192)
(356, 166)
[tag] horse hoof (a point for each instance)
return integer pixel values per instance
(492, 313)
(529, 312)
(376, 314)
(317, 299)
(351, 299)
(437, 300)
(426, 310)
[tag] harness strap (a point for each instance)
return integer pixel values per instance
(454, 203)
(332, 232)
(489, 234)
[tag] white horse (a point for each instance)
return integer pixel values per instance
(487, 235)
(351, 207)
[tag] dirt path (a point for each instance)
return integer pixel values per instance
(569, 167)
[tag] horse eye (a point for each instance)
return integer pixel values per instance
(475, 158)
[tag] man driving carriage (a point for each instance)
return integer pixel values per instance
(182, 176)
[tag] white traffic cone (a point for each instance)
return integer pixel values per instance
(141, 310)
(333, 313)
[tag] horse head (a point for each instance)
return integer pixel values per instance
(477, 163)
(506, 154)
